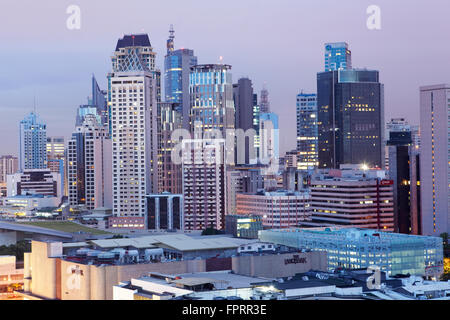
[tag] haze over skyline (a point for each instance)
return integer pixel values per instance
(278, 43)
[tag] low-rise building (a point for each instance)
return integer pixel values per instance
(278, 209)
(242, 226)
(352, 197)
(352, 248)
(11, 278)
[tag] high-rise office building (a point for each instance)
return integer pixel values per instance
(352, 197)
(307, 132)
(56, 152)
(269, 149)
(177, 67)
(244, 103)
(264, 103)
(211, 94)
(169, 119)
(405, 174)
(89, 165)
(165, 211)
(132, 94)
(8, 165)
(256, 114)
(350, 106)
(34, 182)
(204, 183)
(241, 179)
(435, 159)
(337, 56)
(97, 105)
(212, 107)
(278, 209)
(32, 143)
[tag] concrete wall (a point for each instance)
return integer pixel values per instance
(90, 282)
(275, 266)
(43, 271)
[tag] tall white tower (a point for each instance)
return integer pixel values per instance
(133, 109)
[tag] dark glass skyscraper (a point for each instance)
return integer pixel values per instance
(244, 101)
(350, 106)
(177, 66)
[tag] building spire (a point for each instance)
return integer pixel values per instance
(170, 41)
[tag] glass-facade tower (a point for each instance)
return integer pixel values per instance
(177, 66)
(307, 156)
(350, 106)
(32, 143)
(337, 56)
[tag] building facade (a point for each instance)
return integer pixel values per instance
(278, 209)
(34, 182)
(169, 119)
(435, 158)
(307, 131)
(269, 138)
(350, 106)
(8, 165)
(337, 56)
(89, 165)
(204, 183)
(32, 143)
(244, 102)
(133, 95)
(165, 211)
(357, 198)
(353, 248)
(177, 67)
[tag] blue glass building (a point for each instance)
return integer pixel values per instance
(177, 66)
(32, 143)
(307, 131)
(337, 56)
(350, 107)
(269, 137)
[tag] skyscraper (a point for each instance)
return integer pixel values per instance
(269, 150)
(211, 94)
(32, 143)
(177, 67)
(350, 106)
(89, 165)
(56, 152)
(435, 158)
(97, 105)
(212, 106)
(133, 93)
(169, 119)
(264, 104)
(337, 56)
(307, 134)
(244, 103)
(204, 183)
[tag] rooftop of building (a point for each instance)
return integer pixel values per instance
(355, 234)
(132, 40)
(278, 193)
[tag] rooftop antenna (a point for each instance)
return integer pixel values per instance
(171, 32)
(170, 42)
